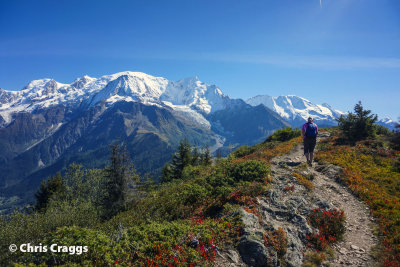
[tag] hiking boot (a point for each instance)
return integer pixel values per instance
(309, 163)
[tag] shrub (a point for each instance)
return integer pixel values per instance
(243, 151)
(192, 193)
(251, 170)
(23, 228)
(330, 225)
(313, 259)
(278, 240)
(185, 156)
(101, 249)
(396, 164)
(181, 243)
(382, 130)
(189, 172)
(283, 135)
(370, 174)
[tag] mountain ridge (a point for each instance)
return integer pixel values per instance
(49, 125)
(297, 109)
(189, 95)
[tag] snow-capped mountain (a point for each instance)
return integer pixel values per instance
(48, 125)
(188, 95)
(388, 123)
(296, 110)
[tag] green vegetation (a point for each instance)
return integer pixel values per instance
(303, 180)
(279, 143)
(358, 125)
(251, 170)
(370, 169)
(185, 156)
(182, 220)
(118, 177)
(395, 138)
(55, 186)
(316, 258)
(283, 135)
(124, 220)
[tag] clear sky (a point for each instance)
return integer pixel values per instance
(328, 51)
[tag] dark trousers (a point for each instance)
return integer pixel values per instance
(309, 144)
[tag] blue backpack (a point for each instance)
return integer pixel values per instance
(311, 130)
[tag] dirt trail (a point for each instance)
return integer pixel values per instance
(359, 240)
(288, 209)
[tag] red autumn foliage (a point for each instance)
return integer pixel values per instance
(329, 225)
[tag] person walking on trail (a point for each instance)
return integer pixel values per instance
(310, 132)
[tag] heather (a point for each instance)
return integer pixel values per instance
(369, 170)
(183, 221)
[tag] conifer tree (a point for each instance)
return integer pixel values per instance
(206, 156)
(195, 157)
(117, 178)
(55, 187)
(181, 159)
(358, 125)
(395, 139)
(219, 154)
(166, 173)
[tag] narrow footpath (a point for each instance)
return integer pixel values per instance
(286, 205)
(356, 247)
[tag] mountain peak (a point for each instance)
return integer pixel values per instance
(131, 86)
(132, 74)
(79, 83)
(36, 84)
(296, 109)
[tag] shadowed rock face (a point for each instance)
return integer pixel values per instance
(2, 122)
(28, 129)
(48, 125)
(254, 253)
(245, 124)
(32, 151)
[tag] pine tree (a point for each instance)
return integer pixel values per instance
(181, 159)
(359, 125)
(195, 157)
(395, 139)
(206, 156)
(219, 154)
(55, 187)
(118, 176)
(166, 173)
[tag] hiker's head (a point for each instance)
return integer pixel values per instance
(309, 119)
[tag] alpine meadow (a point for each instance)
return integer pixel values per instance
(200, 133)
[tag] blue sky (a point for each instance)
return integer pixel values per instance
(333, 51)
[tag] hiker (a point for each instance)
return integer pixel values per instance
(310, 131)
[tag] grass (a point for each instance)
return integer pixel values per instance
(267, 151)
(303, 180)
(315, 259)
